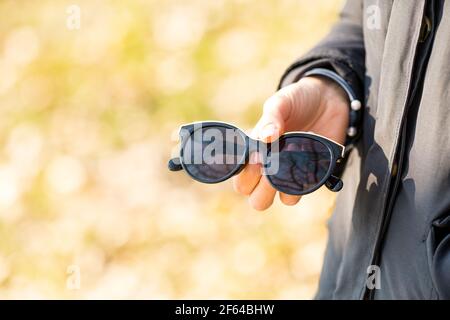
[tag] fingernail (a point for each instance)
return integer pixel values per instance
(268, 130)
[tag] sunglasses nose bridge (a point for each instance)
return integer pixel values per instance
(257, 145)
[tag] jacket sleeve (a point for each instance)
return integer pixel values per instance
(341, 51)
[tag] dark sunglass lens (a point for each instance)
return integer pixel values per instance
(211, 154)
(302, 162)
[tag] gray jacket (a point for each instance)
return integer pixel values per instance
(392, 219)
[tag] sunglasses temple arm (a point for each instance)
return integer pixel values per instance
(174, 164)
(334, 183)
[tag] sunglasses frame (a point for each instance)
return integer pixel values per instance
(331, 181)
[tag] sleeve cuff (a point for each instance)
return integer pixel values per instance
(296, 71)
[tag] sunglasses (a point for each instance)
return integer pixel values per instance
(297, 163)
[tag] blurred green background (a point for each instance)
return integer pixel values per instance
(87, 124)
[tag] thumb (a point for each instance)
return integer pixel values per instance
(272, 123)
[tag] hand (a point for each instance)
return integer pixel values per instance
(312, 104)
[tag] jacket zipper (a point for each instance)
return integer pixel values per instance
(400, 152)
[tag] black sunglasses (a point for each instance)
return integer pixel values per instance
(297, 163)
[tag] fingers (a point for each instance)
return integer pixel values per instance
(272, 123)
(262, 196)
(276, 111)
(288, 199)
(246, 181)
(251, 183)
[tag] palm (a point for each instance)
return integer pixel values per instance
(316, 109)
